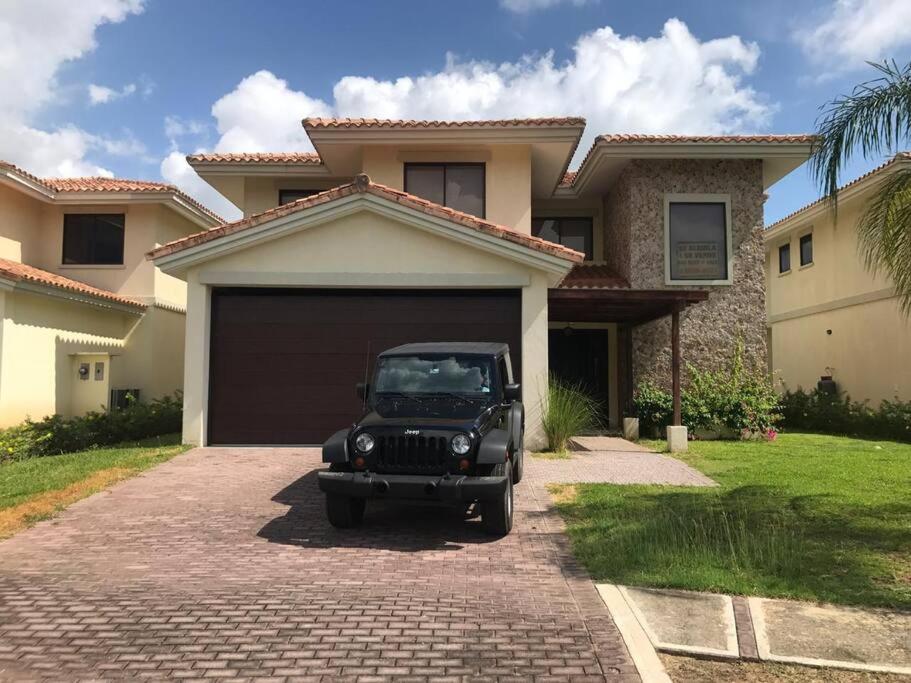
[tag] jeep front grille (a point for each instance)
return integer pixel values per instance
(411, 454)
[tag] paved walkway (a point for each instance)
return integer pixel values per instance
(627, 466)
(734, 627)
(220, 563)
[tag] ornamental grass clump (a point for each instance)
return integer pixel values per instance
(570, 411)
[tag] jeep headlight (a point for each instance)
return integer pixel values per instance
(364, 442)
(460, 444)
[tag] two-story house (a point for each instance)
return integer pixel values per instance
(398, 231)
(828, 314)
(84, 316)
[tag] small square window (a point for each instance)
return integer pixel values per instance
(575, 233)
(806, 250)
(460, 186)
(93, 239)
(784, 258)
(288, 196)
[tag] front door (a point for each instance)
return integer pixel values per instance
(579, 357)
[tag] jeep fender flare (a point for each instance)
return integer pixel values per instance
(335, 449)
(515, 423)
(494, 447)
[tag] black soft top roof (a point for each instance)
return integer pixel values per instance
(477, 348)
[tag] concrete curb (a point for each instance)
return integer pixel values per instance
(637, 640)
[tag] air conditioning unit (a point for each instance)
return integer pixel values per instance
(122, 398)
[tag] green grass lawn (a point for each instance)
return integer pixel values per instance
(805, 516)
(34, 489)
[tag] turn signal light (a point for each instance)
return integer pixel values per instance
(464, 464)
(359, 462)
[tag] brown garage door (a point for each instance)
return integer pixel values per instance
(283, 363)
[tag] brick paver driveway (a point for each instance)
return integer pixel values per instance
(220, 563)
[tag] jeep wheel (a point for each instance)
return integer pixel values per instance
(518, 457)
(496, 515)
(344, 512)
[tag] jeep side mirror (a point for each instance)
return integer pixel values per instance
(362, 390)
(511, 392)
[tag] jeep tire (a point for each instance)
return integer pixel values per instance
(344, 512)
(518, 461)
(496, 515)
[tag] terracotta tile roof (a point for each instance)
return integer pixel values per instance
(410, 123)
(363, 184)
(901, 156)
(727, 139)
(633, 138)
(12, 270)
(99, 184)
(255, 158)
(568, 179)
(593, 276)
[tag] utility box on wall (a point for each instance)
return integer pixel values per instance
(90, 382)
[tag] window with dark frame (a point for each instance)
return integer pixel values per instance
(93, 239)
(806, 250)
(697, 241)
(784, 258)
(288, 196)
(572, 232)
(460, 186)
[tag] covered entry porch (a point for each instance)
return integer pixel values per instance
(591, 331)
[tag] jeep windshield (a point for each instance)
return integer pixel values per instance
(455, 376)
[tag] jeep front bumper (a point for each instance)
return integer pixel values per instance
(449, 488)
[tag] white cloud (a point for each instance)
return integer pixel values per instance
(669, 83)
(36, 38)
(176, 170)
(177, 127)
(852, 32)
(263, 114)
(101, 94)
(528, 6)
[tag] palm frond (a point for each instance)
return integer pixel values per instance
(874, 120)
(884, 233)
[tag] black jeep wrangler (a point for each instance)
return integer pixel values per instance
(442, 422)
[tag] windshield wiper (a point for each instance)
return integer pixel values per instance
(452, 394)
(399, 394)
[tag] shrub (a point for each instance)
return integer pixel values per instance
(738, 399)
(56, 434)
(570, 410)
(817, 411)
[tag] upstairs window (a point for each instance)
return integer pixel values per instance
(93, 239)
(697, 231)
(458, 186)
(575, 233)
(784, 258)
(806, 250)
(288, 196)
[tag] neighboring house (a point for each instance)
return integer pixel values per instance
(84, 314)
(828, 315)
(402, 231)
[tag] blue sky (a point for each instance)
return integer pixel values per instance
(130, 86)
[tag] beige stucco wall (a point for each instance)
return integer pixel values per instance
(364, 249)
(869, 349)
(261, 192)
(40, 334)
(635, 230)
(40, 338)
(508, 175)
(19, 219)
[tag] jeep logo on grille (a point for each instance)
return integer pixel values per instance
(412, 432)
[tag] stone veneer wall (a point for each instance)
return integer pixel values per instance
(709, 330)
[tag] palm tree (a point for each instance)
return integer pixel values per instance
(875, 119)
